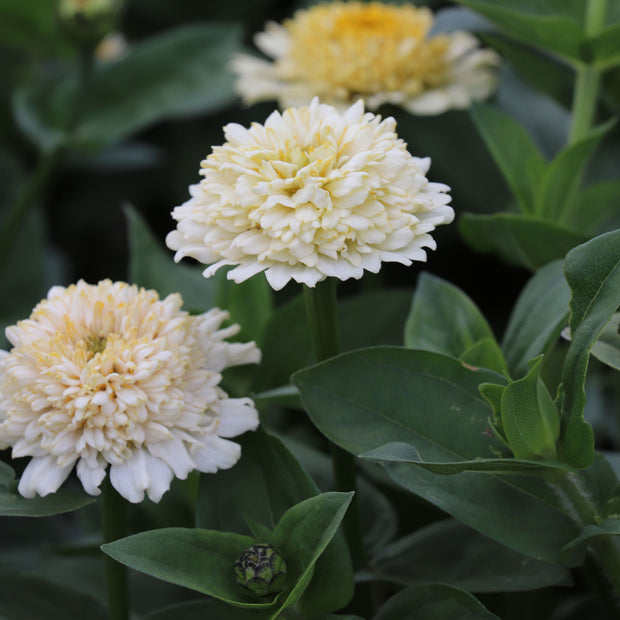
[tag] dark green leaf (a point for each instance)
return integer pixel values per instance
(605, 47)
(593, 206)
(562, 177)
(485, 354)
(12, 504)
(178, 73)
(604, 528)
(554, 25)
(433, 602)
(514, 152)
(530, 419)
(607, 348)
(151, 266)
(189, 610)
(398, 452)
(25, 597)
(445, 320)
(302, 535)
(537, 318)
(201, 560)
(593, 274)
(450, 553)
(262, 486)
(365, 399)
(519, 239)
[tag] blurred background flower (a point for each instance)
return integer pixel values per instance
(311, 193)
(379, 52)
(109, 374)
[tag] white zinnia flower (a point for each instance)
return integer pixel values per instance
(311, 193)
(382, 53)
(109, 374)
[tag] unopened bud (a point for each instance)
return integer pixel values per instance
(88, 21)
(261, 569)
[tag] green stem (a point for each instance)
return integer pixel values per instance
(588, 77)
(114, 513)
(603, 549)
(321, 311)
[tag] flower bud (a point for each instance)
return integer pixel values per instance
(261, 569)
(88, 21)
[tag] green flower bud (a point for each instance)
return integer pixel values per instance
(261, 569)
(88, 21)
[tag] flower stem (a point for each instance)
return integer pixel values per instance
(321, 311)
(602, 549)
(114, 513)
(588, 77)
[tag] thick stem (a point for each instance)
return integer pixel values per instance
(321, 311)
(602, 549)
(114, 513)
(588, 77)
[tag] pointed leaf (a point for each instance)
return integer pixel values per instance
(151, 266)
(514, 152)
(485, 353)
(604, 528)
(433, 602)
(537, 318)
(367, 398)
(562, 178)
(518, 239)
(448, 552)
(302, 535)
(530, 419)
(399, 452)
(444, 319)
(201, 560)
(178, 73)
(554, 25)
(593, 274)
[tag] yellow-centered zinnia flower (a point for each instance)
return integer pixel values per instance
(311, 193)
(381, 53)
(110, 375)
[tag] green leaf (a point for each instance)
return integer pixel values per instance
(554, 25)
(547, 74)
(302, 535)
(604, 528)
(399, 452)
(540, 313)
(514, 152)
(593, 206)
(448, 552)
(175, 74)
(201, 560)
(367, 398)
(607, 348)
(593, 274)
(33, 598)
(189, 610)
(262, 486)
(604, 49)
(519, 239)
(486, 354)
(151, 266)
(562, 178)
(249, 303)
(530, 419)
(445, 320)
(433, 602)
(12, 504)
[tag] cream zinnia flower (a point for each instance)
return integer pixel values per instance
(109, 374)
(382, 53)
(310, 194)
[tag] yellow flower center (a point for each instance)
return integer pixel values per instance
(97, 344)
(366, 48)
